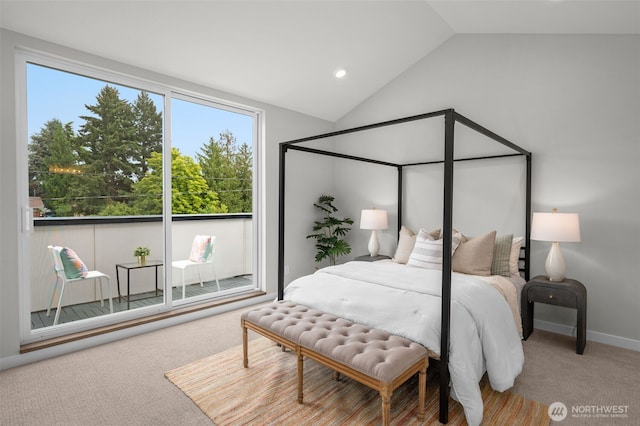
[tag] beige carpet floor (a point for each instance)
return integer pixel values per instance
(604, 376)
(123, 383)
(266, 394)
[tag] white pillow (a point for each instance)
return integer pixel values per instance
(514, 256)
(427, 252)
(406, 241)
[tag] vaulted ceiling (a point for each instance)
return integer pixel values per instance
(286, 52)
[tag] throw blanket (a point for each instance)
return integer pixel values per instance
(510, 294)
(405, 301)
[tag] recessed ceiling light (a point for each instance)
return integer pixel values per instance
(341, 73)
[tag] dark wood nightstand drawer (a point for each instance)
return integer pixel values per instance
(552, 296)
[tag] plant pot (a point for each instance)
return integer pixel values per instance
(142, 260)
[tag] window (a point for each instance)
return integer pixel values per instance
(90, 145)
(219, 141)
(96, 146)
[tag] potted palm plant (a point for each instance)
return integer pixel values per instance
(328, 232)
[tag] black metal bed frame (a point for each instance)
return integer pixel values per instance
(450, 118)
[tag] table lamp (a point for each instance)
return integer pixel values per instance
(373, 219)
(555, 227)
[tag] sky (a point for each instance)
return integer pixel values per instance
(61, 95)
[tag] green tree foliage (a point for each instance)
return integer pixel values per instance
(119, 208)
(227, 167)
(40, 153)
(148, 124)
(190, 193)
(113, 166)
(243, 164)
(107, 145)
(63, 172)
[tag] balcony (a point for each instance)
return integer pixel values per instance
(102, 243)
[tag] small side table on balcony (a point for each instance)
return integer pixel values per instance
(135, 265)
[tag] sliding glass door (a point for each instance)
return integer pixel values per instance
(92, 145)
(211, 177)
(136, 197)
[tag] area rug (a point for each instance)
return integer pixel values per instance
(265, 394)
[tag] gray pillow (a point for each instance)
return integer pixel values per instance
(501, 254)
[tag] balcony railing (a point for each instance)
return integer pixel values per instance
(104, 242)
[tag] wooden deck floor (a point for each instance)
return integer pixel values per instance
(93, 309)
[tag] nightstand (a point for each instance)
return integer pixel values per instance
(369, 258)
(568, 293)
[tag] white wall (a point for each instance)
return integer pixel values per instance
(574, 102)
(280, 125)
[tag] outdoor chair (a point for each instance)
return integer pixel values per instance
(202, 251)
(69, 269)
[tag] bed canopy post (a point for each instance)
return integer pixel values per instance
(527, 233)
(283, 151)
(447, 226)
(399, 221)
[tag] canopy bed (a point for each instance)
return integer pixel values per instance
(393, 278)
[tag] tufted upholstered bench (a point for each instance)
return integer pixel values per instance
(370, 356)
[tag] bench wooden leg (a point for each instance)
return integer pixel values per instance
(245, 351)
(300, 373)
(422, 390)
(385, 394)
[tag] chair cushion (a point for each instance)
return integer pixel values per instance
(73, 266)
(200, 249)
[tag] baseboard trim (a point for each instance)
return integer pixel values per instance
(595, 336)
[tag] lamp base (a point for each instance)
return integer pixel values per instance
(554, 265)
(373, 246)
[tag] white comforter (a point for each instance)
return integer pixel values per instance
(405, 301)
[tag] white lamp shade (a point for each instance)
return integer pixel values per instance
(373, 219)
(559, 227)
(555, 227)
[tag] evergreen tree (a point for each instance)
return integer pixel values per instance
(107, 146)
(190, 193)
(243, 165)
(62, 174)
(228, 171)
(215, 169)
(148, 124)
(40, 151)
